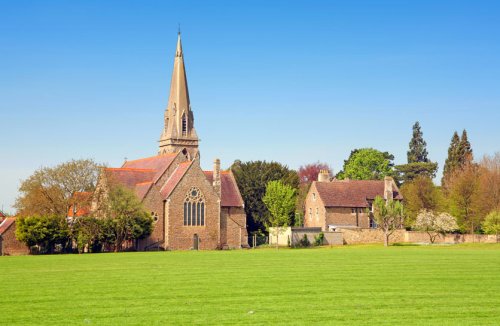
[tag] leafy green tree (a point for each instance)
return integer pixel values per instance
(452, 161)
(367, 164)
(418, 150)
(408, 172)
(280, 201)
(465, 155)
(388, 215)
(46, 232)
(421, 194)
(50, 190)
(491, 223)
(252, 178)
(124, 217)
(87, 233)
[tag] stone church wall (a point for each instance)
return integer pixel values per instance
(9, 245)
(233, 227)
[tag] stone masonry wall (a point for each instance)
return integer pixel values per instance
(233, 227)
(9, 245)
(180, 236)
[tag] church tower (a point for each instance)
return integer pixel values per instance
(179, 133)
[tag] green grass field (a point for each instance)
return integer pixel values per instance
(409, 285)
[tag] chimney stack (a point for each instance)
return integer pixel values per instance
(388, 190)
(324, 176)
(217, 182)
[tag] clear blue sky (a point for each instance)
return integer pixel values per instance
(293, 82)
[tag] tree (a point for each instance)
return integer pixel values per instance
(489, 184)
(418, 151)
(43, 231)
(435, 224)
(464, 197)
(367, 164)
(87, 233)
(280, 201)
(50, 190)
(388, 215)
(124, 217)
(465, 155)
(408, 172)
(252, 178)
(309, 172)
(491, 223)
(420, 194)
(452, 161)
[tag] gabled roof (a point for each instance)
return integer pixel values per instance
(129, 177)
(174, 179)
(5, 225)
(158, 163)
(351, 193)
(230, 193)
(82, 200)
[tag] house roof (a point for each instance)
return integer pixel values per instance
(174, 179)
(5, 225)
(351, 193)
(82, 200)
(230, 193)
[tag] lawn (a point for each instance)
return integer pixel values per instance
(408, 285)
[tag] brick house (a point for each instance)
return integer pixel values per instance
(191, 208)
(332, 204)
(9, 245)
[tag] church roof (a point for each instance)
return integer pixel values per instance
(230, 193)
(174, 179)
(351, 193)
(82, 200)
(5, 225)
(158, 163)
(129, 177)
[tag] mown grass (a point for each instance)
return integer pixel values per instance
(360, 285)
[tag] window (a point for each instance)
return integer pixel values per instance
(373, 224)
(353, 210)
(194, 208)
(317, 214)
(154, 216)
(310, 214)
(314, 196)
(184, 125)
(360, 210)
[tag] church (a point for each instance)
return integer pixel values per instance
(191, 208)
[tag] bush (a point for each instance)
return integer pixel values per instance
(304, 242)
(318, 240)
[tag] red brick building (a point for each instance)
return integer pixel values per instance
(191, 208)
(333, 204)
(9, 245)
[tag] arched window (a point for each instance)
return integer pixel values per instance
(194, 208)
(317, 214)
(184, 125)
(310, 214)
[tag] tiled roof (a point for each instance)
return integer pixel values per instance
(82, 200)
(141, 189)
(157, 163)
(129, 177)
(351, 193)
(6, 224)
(1, 214)
(230, 193)
(174, 179)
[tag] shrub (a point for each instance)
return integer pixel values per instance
(318, 240)
(304, 242)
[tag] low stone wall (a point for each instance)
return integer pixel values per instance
(292, 236)
(360, 236)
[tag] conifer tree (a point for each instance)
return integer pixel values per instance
(465, 150)
(418, 150)
(452, 161)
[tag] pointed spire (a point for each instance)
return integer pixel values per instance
(179, 120)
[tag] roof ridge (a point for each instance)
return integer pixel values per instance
(151, 157)
(131, 169)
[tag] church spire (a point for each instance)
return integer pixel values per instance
(179, 133)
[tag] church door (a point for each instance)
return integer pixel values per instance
(196, 241)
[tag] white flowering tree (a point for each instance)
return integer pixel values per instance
(435, 224)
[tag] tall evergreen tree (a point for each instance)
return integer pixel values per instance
(452, 161)
(465, 150)
(418, 150)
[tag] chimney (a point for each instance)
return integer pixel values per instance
(324, 176)
(388, 190)
(216, 182)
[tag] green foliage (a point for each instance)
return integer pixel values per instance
(418, 151)
(408, 172)
(304, 242)
(491, 223)
(43, 231)
(465, 155)
(388, 215)
(87, 233)
(125, 218)
(459, 156)
(252, 178)
(418, 194)
(280, 201)
(367, 164)
(318, 240)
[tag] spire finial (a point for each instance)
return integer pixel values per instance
(179, 29)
